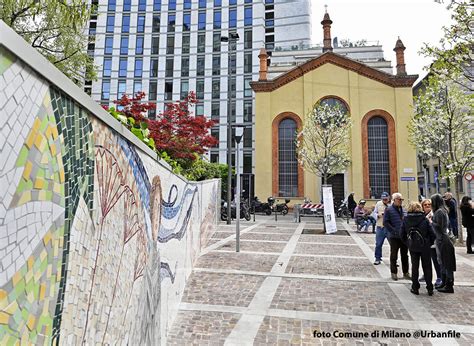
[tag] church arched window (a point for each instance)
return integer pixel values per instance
(335, 102)
(287, 160)
(378, 156)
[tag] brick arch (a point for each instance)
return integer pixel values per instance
(338, 98)
(392, 150)
(276, 122)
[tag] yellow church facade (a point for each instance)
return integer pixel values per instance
(380, 106)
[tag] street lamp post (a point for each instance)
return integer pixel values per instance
(231, 39)
(239, 131)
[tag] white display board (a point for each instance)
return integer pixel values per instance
(329, 215)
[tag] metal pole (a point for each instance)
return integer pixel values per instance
(229, 135)
(237, 200)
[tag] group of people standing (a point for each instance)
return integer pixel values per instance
(426, 230)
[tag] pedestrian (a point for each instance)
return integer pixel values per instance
(467, 214)
(426, 205)
(380, 233)
(417, 234)
(452, 213)
(362, 217)
(351, 204)
(444, 247)
(392, 222)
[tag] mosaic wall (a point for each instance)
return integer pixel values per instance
(97, 239)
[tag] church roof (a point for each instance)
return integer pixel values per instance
(338, 60)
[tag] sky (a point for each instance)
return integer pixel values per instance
(415, 21)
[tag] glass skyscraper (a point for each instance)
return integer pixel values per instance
(167, 48)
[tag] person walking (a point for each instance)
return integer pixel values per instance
(380, 233)
(392, 222)
(452, 213)
(426, 205)
(444, 247)
(417, 234)
(351, 204)
(467, 214)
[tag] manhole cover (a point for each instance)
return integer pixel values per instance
(321, 231)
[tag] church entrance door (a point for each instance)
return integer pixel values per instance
(337, 182)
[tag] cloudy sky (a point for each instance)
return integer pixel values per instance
(415, 21)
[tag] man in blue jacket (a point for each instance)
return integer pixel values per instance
(392, 221)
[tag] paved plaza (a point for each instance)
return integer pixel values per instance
(285, 287)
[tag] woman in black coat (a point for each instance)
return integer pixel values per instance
(467, 213)
(417, 234)
(351, 203)
(444, 247)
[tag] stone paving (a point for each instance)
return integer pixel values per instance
(285, 287)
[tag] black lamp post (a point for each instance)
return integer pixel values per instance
(231, 39)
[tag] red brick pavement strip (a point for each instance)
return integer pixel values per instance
(201, 328)
(328, 249)
(332, 267)
(288, 331)
(237, 261)
(261, 246)
(310, 238)
(339, 297)
(221, 289)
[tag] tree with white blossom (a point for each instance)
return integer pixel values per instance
(323, 143)
(442, 127)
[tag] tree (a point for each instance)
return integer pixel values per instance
(179, 133)
(442, 127)
(323, 143)
(453, 57)
(56, 28)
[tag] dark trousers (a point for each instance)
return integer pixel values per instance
(425, 257)
(395, 245)
(470, 236)
(434, 259)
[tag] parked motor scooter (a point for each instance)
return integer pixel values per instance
(280, 207)
(258, 206)
(343, 211)
(244, 210)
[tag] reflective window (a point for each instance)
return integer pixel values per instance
(232, 18)
(172, 5)
(184, 89)
(202, 21)
(110, 24)
(200, 67)
(201, 46)
(171, 22)
(217, 19)
(379, 162)
(216, 42)
(216, 65)
(248, 16)
(123, 67)
(138, 67)
(168, 90)
(155, 27)
(217, 3)
(185, 66)
(187, 4)
(187, 22)
(107, 67)
(287, 160)
(248, 63)
(153, 67)
(109, 45)
(152, 90)
(200, 110)
(248, 39)
(155, 45)
(111, 6)
(215, 111)
(169, 67)
(121, 88)
(202, 3)
(216, 88)
(124, 45)
(248, 111)
(141, 5)
(156, 5)
(127, 4)
(200, 89)
(137, 86)
(185, 44)
(126, 23)
(139, 45)
(105, 90)
(170, 45)
(141, 24)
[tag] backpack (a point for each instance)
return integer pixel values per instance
(416, 241)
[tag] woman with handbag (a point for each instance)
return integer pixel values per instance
(444, 246)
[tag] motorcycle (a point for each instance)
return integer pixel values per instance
(343, 210)
(244, 210)
(258, 206)
(280, 207)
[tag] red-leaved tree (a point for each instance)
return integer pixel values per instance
(133, 107)
(179, 133)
